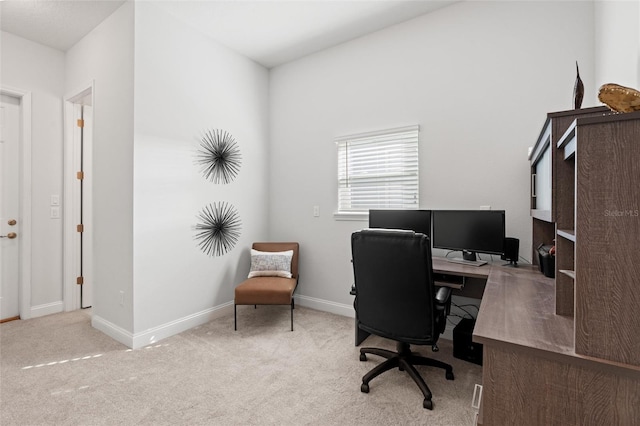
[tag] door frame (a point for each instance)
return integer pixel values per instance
(71, 200)
(25, 198)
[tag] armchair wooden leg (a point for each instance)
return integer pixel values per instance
(291, 314)
(235, 319)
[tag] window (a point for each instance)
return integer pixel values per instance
(377, 170)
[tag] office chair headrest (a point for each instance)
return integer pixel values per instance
(387, 231)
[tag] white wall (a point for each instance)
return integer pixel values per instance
(185, 84)
(617, 47)
(478, 77)
(38, 69)
(105, 56)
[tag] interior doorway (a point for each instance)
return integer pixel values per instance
(78, 241)
(10, 221)
(15, 204)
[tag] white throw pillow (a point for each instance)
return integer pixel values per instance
(270, 263)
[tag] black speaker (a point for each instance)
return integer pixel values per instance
(463, 345)
(511, 250)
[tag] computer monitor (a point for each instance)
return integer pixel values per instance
(469, 231)
(413, 220)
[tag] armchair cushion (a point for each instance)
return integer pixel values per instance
(265, 291)
(270, 264)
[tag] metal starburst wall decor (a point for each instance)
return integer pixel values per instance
(218, 229)
(218, 156)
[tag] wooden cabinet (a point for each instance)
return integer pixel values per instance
(566, 351)
(598, 235)
(545, 175)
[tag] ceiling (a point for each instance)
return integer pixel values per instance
(271, 32)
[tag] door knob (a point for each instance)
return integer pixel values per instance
(10, 235)
(11, 222)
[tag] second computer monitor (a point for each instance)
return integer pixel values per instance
(469, 231)
(413, 220)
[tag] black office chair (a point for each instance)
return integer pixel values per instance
(396, 299)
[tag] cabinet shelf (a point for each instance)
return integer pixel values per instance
(568, 142)
(569, 234)
(541, 214)
(568, 272)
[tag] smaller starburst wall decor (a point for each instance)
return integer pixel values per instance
(218, 156)
(218, 228)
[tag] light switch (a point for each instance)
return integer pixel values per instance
(55, 200)
(55, 212)
(316, 211)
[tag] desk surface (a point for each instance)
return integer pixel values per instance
(518, 308)
(443, 266)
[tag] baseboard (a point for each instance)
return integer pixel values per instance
(46, 309)
(115, 332)
(155, 334)
(178, 326)
(326, 306)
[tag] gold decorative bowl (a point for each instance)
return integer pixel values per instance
(619, 98)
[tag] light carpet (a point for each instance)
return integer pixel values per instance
(58, 370)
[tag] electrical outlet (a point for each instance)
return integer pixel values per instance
(55, 212)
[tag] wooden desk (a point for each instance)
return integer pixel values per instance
(531, 374)
(441, 265)
(474, 277)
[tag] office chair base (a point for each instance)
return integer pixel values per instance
(404, 360)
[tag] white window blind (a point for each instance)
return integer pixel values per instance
(378, 170)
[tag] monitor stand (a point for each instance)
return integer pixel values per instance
(468, 258)
(469, 255)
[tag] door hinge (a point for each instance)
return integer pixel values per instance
(80, 175)
(80, 122)
(80, 280)
(80, 228)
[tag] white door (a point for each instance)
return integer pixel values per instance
(78, 201)
(10, 223)
(82, 203)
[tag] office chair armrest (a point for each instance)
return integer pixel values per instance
(442, 306)
(443, 295)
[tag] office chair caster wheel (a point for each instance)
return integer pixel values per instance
(428, 404)
(449, 375)
(435, 348)
(364, 388)
(363, 357)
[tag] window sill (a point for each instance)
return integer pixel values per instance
(351, 216)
